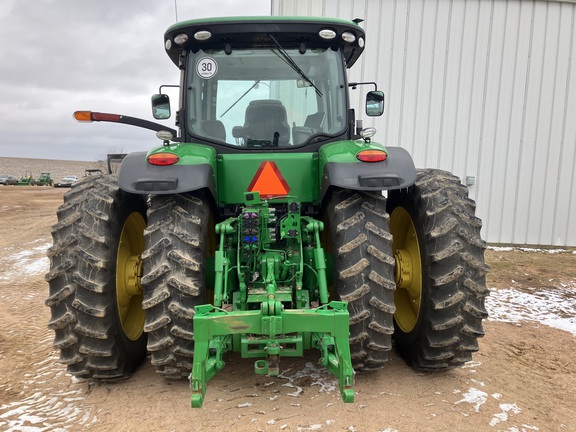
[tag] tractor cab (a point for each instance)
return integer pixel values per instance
(255, 83)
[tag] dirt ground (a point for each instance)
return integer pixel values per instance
(522, 379)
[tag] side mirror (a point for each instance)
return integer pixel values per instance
(374, 103)
(160, 106)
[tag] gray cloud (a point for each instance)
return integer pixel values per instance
(59, 56)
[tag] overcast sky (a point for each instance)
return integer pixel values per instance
(60, 56)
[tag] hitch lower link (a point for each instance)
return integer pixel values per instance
(271, 333)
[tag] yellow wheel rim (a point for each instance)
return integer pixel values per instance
(408, 272)
(128, 274)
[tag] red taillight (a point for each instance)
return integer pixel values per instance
(163, 159)
(372, 156)
(106, 117)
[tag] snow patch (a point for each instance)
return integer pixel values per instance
(46, 409)
(312, 427)
(30, 262)
(503, 416)
(474, 397)
(554, 308)
(320, 376)
(528, 249)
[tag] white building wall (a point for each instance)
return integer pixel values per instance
(482, 88)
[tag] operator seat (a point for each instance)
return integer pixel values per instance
(214, 129)
(266, 120)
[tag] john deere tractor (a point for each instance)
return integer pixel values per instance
(44, 180)
(268, 223)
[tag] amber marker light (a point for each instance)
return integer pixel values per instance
(371, 156)
(83, 116)
(163, 159)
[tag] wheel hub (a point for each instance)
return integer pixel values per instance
(128, 275)
(408, 270)
(403, 270)
(132, 275)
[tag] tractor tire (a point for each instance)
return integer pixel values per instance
(62, 288)
(361, 247)
(108, 299)
(440, 272)
(177, 241)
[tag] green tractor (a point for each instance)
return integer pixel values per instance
(44, 180)
(26, 179)
(268, 224)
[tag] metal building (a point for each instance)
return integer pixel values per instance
(483, 88)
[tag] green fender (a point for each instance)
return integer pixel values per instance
(339, 167)
(195, 170)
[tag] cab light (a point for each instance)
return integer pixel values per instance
(163, 159)
(165, 135)
(181, 39)
(202, 35)
(367, 133)
(348, 37)
(372, 156)
(327, 34)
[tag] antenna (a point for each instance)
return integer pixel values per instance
(176, 9)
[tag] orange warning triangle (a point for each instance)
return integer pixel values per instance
(269, 181)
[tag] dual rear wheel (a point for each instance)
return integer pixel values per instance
(124, 278)
(126, 274)
(417, 257)
(95, 292)
(439, 272)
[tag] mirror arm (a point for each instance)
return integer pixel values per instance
(356, 84)
(167, 85)
(134, 121)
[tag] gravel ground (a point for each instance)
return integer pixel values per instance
(523, 379)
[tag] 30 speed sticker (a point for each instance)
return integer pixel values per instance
(206, 67)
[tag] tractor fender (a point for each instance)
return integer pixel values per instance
(396, 172)
(137, 176)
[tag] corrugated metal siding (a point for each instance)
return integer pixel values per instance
(481, 88)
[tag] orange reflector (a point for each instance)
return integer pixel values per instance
(163, 159)
(372, 156)
(83, 116)
(269, 181)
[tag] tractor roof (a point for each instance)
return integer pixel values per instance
(246, 32)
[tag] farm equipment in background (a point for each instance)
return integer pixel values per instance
(261, 227)
(66, 181)
(26, 179)
(44, 180)
(92, 171)
(8, 180)
(113, 161)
